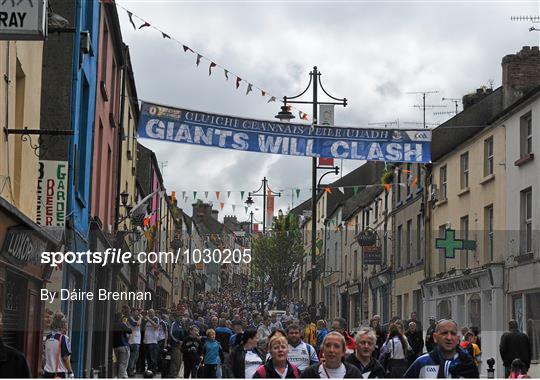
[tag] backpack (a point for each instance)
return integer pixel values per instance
(261, 371)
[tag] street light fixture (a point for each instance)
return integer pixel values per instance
(315, 78)
(249, 200)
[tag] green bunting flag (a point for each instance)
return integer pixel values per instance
(242, 195)
(206, 195)
(228, 194)
(246, 208)
(355, 190)
(194, 195)
(297, 193)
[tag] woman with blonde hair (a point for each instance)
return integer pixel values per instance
(278, 366)
(57, 350)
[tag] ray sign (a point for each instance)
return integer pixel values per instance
(229, 132)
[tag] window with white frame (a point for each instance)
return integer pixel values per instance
(443, 180)
(525, 134)
(464, 170)
(526, 221)
(488, 156)
(488, 217)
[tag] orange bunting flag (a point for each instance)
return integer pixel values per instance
(328, 190)
(387, 186)
(217, 195)
(173, 196)
(146, 222)
(212, 64)
(304, 116)
(221, 205)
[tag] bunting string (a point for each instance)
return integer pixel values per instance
(211, 63)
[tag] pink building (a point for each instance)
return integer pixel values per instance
(107, 119)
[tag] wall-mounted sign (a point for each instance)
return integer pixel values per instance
(459, 285)
(449, 244)
(23, 19)
(367, 237)
(22, 246)
(52, 193)
(372, 255)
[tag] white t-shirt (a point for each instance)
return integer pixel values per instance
(151, 332)
(395, 348)
(54, 360)
(135, 337)
(302, 356)
(333, 373)
(252, 361)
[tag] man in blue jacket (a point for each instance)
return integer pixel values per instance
(447, 359)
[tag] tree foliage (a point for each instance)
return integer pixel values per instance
(276, 255)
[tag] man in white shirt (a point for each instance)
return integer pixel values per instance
(150, 341)
(301, 354)
(134, 322)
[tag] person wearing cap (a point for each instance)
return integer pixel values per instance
(430, 343)
(447, 359)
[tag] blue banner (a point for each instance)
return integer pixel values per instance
(200, 128)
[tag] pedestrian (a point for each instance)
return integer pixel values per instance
(274, 323)
(321, 333)
(340, 325)
(277, 367)
(236, 337)
(375, 324)
(264, 331)
(310, 330)
(471, 347)
(518, 370)
(212, 355)
(394, 352)
(300, 353)
(447, 359)
(246, 357)
(514, 345)
(13, 364)
(57, 350)
(192, 352)
(150, 340)
(121, 332)
(430, 342)
(333, 367)
(223, 336)
(363, 359)
(415, 340)
(414, 318)
(176, 336)
(134, 323)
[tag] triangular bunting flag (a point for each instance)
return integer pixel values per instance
(297, 193)
(245, 209)
(341, 189)
(387, 186)
(272, 99)
(217, 195)
(144, 25)
(198, 59)
(305, 116)
(212, 64)
(186, 48)
(173, 196)
(226, 73)
(233, 208)
(183, 194)
(328, 190)
(130, 15)
(238, 80)
(221, 205)
(228, 194)
(194, 195)
(263, 93)
(249, 88)
(242, 195)
(165, 35)
(206, 195)
(355, 190)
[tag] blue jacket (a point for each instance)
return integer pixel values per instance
(176, 333)
(212, 352)
(432, 365)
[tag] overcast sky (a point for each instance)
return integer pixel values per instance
(371, 52)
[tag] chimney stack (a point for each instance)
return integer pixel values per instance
(475, 97)
(520, 73)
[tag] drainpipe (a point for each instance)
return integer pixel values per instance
(119, 143)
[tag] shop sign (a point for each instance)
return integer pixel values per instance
(459, 285)
(52, 193)
(23, 19)
(372, 255)
(22, 246)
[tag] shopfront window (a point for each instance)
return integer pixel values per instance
(475, 311)
(533, 323)
(444, 309)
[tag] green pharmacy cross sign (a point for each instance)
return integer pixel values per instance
(450, 244)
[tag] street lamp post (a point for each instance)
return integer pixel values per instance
(285, 114)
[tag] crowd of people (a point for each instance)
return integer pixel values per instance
(220, 335)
